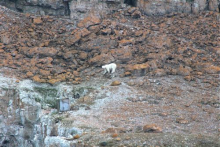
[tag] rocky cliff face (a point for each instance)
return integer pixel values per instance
(39, 7)
(161, 7)
(82, 8)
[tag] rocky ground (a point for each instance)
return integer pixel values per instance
(167, 80)
(149, 111)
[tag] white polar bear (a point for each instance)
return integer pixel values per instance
(109, 68)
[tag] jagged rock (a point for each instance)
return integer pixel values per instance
(73, 39)
(125, 42)
(106, 31)
(85, 32)
(89, 21)
(42, 51)
(136, 14)
(37, 78)
(138, 69)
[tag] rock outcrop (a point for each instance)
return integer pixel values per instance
(79, 9)
(39, 7)
(161, 7)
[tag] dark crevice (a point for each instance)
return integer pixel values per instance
(219, 8)
(131, 2)
(207, 4)
(67, 7)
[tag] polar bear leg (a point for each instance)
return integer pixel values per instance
(105, 71)
(108, 70)
(113, 68)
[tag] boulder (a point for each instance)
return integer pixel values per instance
(152, 128)
(115, 83)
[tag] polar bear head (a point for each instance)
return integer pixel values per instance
(104, 66)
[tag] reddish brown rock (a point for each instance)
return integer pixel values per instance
(94, 29)
(37, 20)
(184, 70)
(123, 54)
(150, 47)
(78, 79)
(125, 42)
(85, 32)
(152, 128)
(83, 55)
(118, 139)
(76, 73)
(138, 67)
(89, 21)
(85, 100)
(136, 14)
(76, 136)
(62, 77)
(138, 33)
(115, 83)
(212, 69)
(46, 60)
(126, 74)
(1, 50)
(37, 78)
(73, 39)
(42, 51)
(44, 72)
(182, 121)
(101, 59)
(189, 78)
(53, 81)
(114, 135)
(106, 31)
(29, 74)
